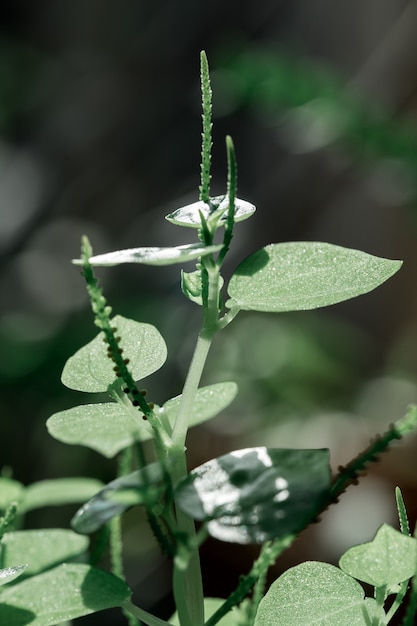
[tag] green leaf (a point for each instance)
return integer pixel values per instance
(256, 494)
(41, 549)
(10, 491)
(316, 594)
(8, 574)
(233, 618)
(301, 275)
(117, 497)
(189, 215)
(208, 402)
(191, 286)
(107, 427)
(153, 256)
(59, 491)
(91, 370)
(63, 593)
(389, 559)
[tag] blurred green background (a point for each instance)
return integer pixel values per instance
(100, 134)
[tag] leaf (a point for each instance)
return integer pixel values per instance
(10, 491)
(189, 215)
(107, 427)
(63, 593)
(233, 618)
(208, 402)
(116, 497)
(256, 494)
(191, 286)
(91, 370)
(315, 594)
(153, 256)
(299, 275)
(8, 574)
(389, 559)
(59, 491)
(41, 549)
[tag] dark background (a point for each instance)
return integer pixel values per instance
(100, 134)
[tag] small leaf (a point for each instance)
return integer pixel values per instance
(256, 494)
(153, 256)
(208, 402)
(299, 275)
(107, 427)
(190, 215)
(191, 286)
(59, 491)
(8, 574)
(91, 370)
(10, 491)
(117, 497)
(41, 549)
(389, 559)
(63, 593)
(316, 594)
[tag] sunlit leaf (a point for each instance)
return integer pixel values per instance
(59, 491)
(256, 494)
(41, 549)
(315, 594)
(305, 275)
(110, 427)
(153, 256)
(209, 401)
(189, 215)
(63, 593)
(117, 497)
(107, 427)
(388, 559)
(90, 369)
(8, 574)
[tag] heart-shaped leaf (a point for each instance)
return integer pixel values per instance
(41, 549)
(209, 401)
(153, 256)
(91, 370)
(58, 491)
(305, 275)
(189, 215)
(109, 427)
(389, 559)
(63, 593)
(118, 496)
(8, 574)
(256, 494)
(316, 594)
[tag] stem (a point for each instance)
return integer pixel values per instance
(191, 384)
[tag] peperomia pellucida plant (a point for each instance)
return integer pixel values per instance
(255, 495)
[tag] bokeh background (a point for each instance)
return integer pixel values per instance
(100, 134)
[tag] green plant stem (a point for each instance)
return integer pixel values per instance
(147, 618)
(188, 586)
